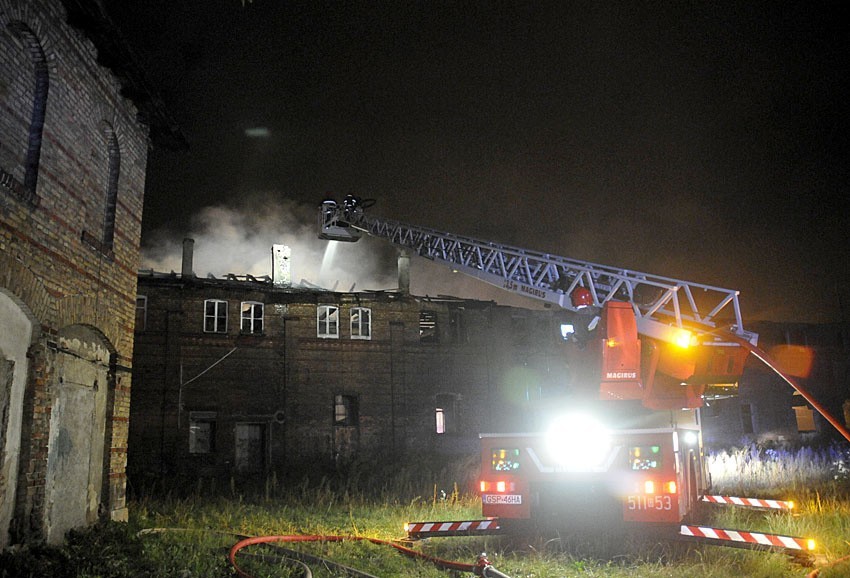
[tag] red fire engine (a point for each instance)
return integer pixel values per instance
(662, 344)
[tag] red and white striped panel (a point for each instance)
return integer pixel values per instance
(770, 540)
(467, 526)
(753, 502)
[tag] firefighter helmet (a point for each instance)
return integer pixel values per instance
(581, 297)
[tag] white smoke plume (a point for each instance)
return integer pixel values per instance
(239, 240)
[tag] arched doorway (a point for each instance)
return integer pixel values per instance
(18, 326)
(75, 458)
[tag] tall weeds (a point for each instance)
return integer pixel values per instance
(775, 472)
(186, 531)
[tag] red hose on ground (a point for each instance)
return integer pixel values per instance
(479, 569)
(444, 564)
(816, 572)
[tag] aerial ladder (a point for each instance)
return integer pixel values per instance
(674, 315)
(667, 309)
(661, 341)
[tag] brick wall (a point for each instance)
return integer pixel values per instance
(286, 379)
(53, 257)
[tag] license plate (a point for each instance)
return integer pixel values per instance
(502, 498)
(656, 502)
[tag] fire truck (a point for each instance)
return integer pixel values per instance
(628, 452)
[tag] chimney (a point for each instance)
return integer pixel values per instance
(404, 272)
(188, 251)
(281, 275)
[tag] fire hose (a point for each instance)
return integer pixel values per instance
(816, 572)
(482, 567)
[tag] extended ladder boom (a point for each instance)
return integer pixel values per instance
(666, 309)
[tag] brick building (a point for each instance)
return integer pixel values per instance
(240, 375)
(73, 154)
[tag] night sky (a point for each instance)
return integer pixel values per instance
(705, 141)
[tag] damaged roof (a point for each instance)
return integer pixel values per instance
(115, 53)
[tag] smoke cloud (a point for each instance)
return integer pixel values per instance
(239, 239)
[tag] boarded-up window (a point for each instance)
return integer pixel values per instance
(201, 432)
(345, 410)
(805, 418)
(428, 327)
(250, 447)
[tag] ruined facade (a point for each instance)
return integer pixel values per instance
(72, 175)
(238, 376)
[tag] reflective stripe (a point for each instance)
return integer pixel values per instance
(744, 537)
(753, 502)
(434, 527)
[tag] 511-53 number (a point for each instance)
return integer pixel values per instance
(650, 503)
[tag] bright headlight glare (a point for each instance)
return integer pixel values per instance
(578, 442)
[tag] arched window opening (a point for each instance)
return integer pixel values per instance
(39, 108)
(114, 157)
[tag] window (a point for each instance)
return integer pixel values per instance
(805, 418)
(40, 84)
(201, 432)
(327, 321)
(113, 170)
(361, 323)
(446, 413)
(520, 330)
(543, 332)
(428, 327)
(215, 316)
(141, 312)
(747, 418)
(712, 409)
(457, 327)
(250, 449)
(345, 410)
(252, 317)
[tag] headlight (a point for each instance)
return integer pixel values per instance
(578, 442)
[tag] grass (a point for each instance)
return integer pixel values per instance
(773, 470)
(187, 534)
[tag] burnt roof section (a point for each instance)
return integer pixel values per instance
(243, 283)
(264, 283)
(114, 53)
